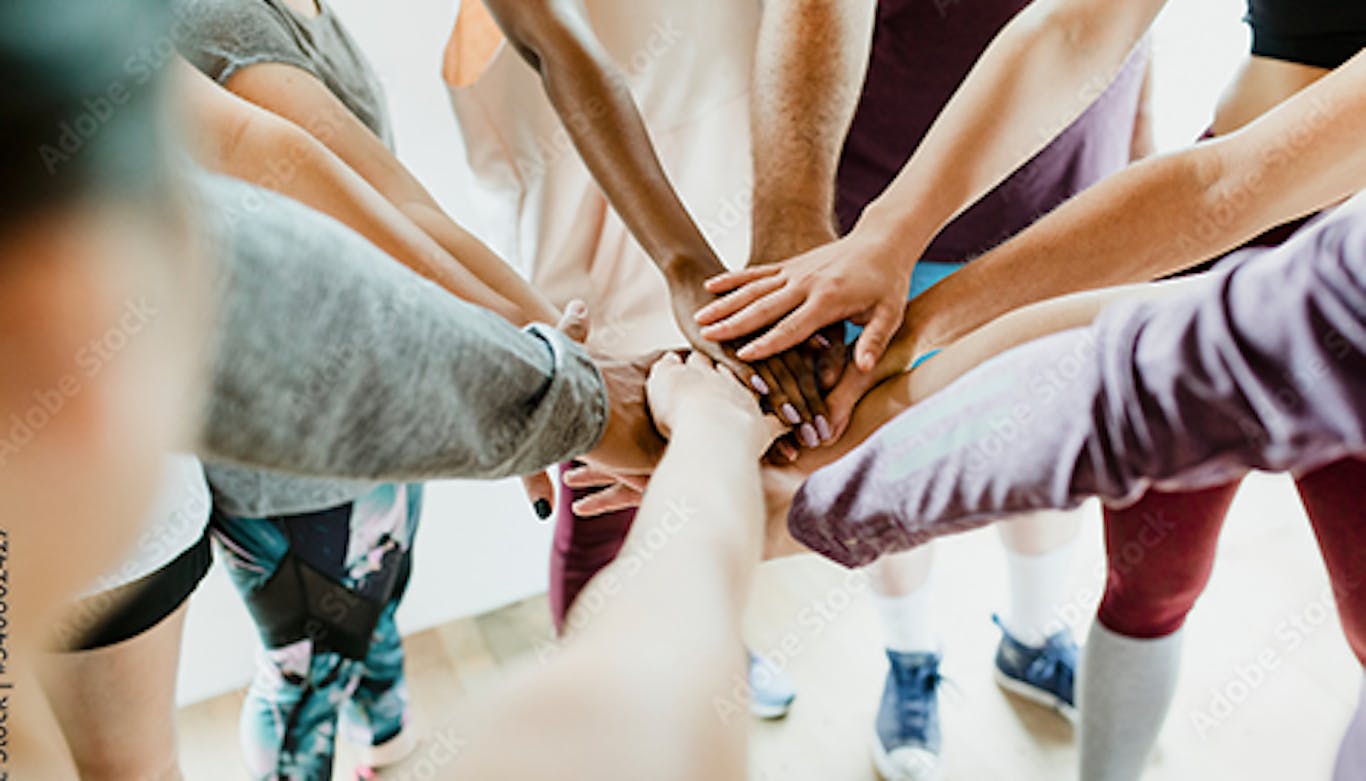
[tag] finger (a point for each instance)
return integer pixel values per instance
(730, 280)
(541, 492)
(832, 356)
(872, 343)
(588, 477)
(700, 360)
(618, 497)
(757, 315)
(802, 366)
(774, 398)
(731, 303)
(844, 398)
(574, 322)
(757, 381)
(789, 332)
(790, 406)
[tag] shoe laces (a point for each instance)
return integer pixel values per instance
(1056, 661)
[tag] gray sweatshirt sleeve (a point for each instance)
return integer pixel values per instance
(1259, 365)
(336, 361)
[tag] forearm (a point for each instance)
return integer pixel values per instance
(1260, 366)
(1167, 213)
(381, 375)
(674, 597)
(245, 142)
(531, 306)
(808, 73)
(1043, 69)
(596, 107)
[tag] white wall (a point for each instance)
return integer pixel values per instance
(480, 546)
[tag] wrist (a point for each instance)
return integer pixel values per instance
(684, 269)
(712, 420)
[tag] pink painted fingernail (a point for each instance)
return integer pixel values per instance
(759, 385)
(790, 412)
(821, 341)
(808, 435)
(823, 428)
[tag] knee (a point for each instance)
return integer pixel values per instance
(1142, 604)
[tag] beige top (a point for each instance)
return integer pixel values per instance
(688, 65)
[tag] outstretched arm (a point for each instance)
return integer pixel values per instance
(661, 623)
(300, 97)
(1260, 365)
(808, 74)
(1302, 156)
(1043, 69)
(381, 375)
(591, 96)
(247, 142)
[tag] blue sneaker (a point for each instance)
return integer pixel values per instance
(770, 690)
(1044, 675)
(908, 745)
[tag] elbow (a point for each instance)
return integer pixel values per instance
(541, 33)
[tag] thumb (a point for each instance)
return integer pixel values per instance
(872, 343)
(843, 398)
(541, 492)
(574, 322)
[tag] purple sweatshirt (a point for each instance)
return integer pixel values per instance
(1260, 364)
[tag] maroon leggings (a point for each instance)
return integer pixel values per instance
(1160, 551)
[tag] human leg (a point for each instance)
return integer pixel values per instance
(1159, 552)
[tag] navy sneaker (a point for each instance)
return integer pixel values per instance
(908, 745)
(1044, 675)
(770, 690)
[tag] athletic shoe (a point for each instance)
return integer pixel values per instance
(770, 690)
(908, 744)
(1044, 675)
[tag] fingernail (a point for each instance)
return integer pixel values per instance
(823, 428)
(758, 384)
(543, 509)
(821, 341)
(576, 308)
(790, 412)
(808, 435)
(789, 452)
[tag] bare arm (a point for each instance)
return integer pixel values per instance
(1043, 69)
(298, 96)
(661, 624)
(1165, 214)
(594, 103)
(249, 143)
(808, 74)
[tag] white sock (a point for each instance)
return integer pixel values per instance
(908, 621)
(1124, 690)
(1038, 593)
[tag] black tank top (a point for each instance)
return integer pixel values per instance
(1323, 33)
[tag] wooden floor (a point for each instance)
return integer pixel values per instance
(1267, 683)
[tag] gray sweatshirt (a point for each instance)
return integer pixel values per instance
(1259, 365)
(336, 360)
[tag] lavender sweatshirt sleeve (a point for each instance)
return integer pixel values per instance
(1259, 365)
